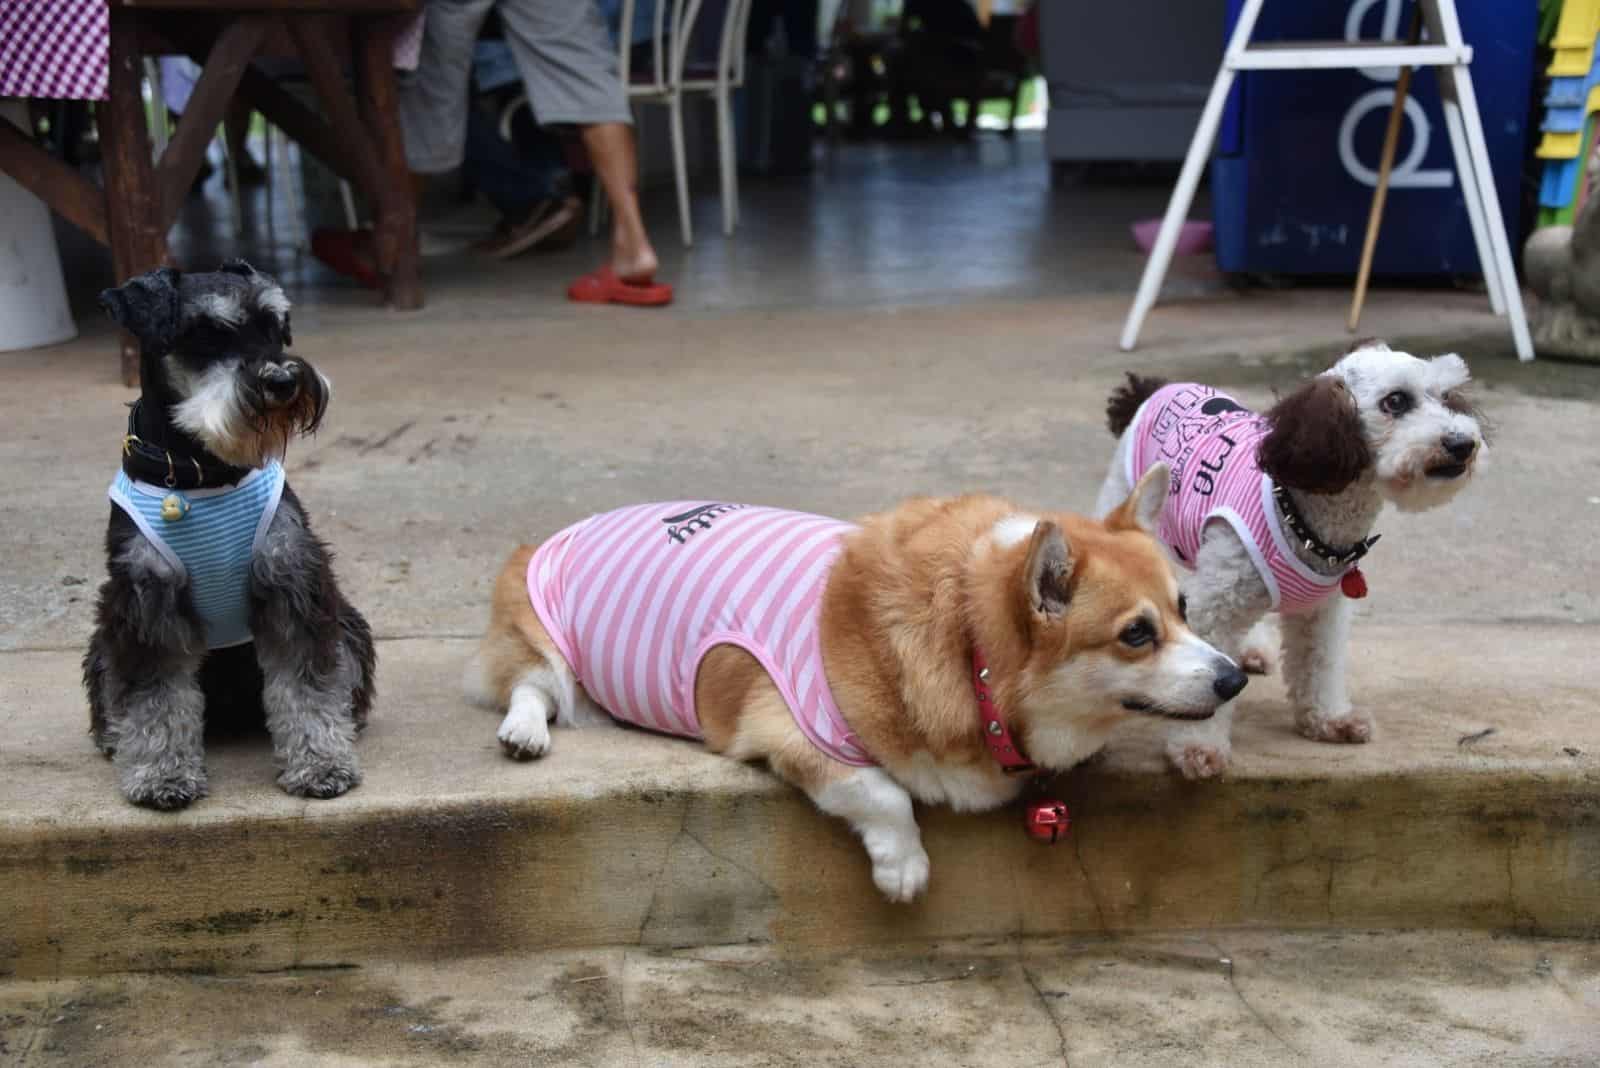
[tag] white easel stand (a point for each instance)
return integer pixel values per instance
(1450, 55)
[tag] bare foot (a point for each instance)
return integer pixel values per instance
(634, 265)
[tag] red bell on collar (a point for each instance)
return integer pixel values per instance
(1354, 584)
(1047, 821)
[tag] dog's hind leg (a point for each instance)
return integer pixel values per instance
(1116, 487)
(147, 710)
(518, 669)
(358, 645)
(312, 673)
(1314, 645)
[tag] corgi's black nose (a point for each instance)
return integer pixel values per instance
(1459, 446)
(1229, 683)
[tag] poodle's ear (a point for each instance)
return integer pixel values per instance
(149, 308)
(1317, 443)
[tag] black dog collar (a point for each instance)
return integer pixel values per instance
(1332, 555)
(144, 462)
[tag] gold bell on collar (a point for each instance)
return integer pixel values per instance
(174, 506)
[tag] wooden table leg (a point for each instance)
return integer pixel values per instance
(378, 96)
(133, 205)
(378, 179)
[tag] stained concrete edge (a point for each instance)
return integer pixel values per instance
(622, 838)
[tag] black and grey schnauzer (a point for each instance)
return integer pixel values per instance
(221, 603)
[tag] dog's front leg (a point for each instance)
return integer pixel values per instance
(1314, 645)
(1226, 599)
(880, 811)
(142, 671)
(310, 672)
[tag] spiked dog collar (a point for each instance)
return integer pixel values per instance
(1006, 750)
(1331, 555)
(144, 462)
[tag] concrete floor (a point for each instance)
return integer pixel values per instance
(1228, 999)
(495, 416)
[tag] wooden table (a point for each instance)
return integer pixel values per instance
(357, 133)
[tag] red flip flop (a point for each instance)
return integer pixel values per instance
(337, 249)
(604, 287)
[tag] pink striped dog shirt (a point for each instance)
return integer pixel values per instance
(1210, 440)
(635, 598)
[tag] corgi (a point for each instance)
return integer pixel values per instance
(935, 652)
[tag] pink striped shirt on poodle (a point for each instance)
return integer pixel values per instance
(1210, 440)
(635, 598)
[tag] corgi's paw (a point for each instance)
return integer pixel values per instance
(1198, 760)
(903, 879)
(524, 737)
(899, 867)
(1348, 728)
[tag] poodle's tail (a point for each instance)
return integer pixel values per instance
(1123, 404)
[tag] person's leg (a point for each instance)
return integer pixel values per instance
(433, 114)
(527, 182)
(495, 167)
(433, 98)
(616, 165)
(570, 68)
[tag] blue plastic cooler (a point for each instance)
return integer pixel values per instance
(1297, 154)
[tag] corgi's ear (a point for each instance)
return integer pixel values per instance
(1047, 573)
(1142, 509)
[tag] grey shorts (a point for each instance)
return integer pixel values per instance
(562, 49)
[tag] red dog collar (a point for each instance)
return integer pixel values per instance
(1045, 820)
(1007, 753)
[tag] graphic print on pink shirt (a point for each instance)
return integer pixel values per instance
(1210, 441)
(635, 598)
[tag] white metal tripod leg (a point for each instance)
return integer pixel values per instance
(1205, 135)
(1155, 268)
(1455, 89)
(1473, 197)
(1456, 83)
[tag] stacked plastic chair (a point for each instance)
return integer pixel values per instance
(1570, 108)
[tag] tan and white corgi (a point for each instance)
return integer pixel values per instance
(928, 653)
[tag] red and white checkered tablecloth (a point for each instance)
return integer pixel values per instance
(59, 49)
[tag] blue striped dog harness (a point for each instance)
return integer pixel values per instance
(211, 535)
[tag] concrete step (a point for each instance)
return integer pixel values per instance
(1223, 1000)
(627, 839)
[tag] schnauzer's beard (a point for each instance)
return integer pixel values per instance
(231, 417)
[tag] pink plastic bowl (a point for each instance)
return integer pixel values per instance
(1193, 237)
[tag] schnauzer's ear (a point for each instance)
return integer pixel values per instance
(238, 266)
(1316, 443)
(148, 307)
